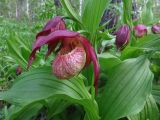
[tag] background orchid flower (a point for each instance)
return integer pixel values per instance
(140, 30)
(156, 28)
(122, 36)
(75, 51)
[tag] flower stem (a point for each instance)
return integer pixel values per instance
(94, 43)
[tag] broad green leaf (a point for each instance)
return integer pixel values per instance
(126, 91)
(23, 113)
(39, 84)
(156, 93)
(70, 10)
(19, 51)
(147, 12)
(130, 52)
(149, 42)
(92, 14)
(107, 61)
(55, 107)
(149, 112)
(127, 12)
(15, 52)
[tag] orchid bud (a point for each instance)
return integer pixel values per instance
(122, 36)
(156, 29)
(18, 70)
(68, 65)
(140, 30)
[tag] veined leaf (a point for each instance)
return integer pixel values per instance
(127, 12)
(156, 93)
(126, 91)
(130, 52)
(39, 84)
(23, 113)
(92, 14)
(149, 42)
(15, 52)
(29, 111)
(149, 112)
(147, 16)
(55, 106)
(70, 10)
(107, 61)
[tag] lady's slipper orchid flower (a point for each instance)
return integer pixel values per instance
(75, 51)
(156, 29)
(122, 36)
(140, 30)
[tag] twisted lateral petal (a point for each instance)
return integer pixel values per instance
(53, 38)
(93, 57)
(54, 22)
(52, 25)
(51, 47)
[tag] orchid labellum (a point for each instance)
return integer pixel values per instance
(74, 53)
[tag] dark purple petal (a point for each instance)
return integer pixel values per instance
(88, 47)
(156, 29)
(51, 47)
(52, 39)
(122, 36)
(43, 33)
(52, 25)
(54, 22)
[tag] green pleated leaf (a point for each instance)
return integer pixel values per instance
(70, 10)
(147, 16)
(130, 52)
(15, 52)
(149, 42)
(39, 84)
(107, 61)
(127, 12)
(92, 14)
(156, 93)
(126, 91)
(23, 112)
(55, 107)
(149, 112)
